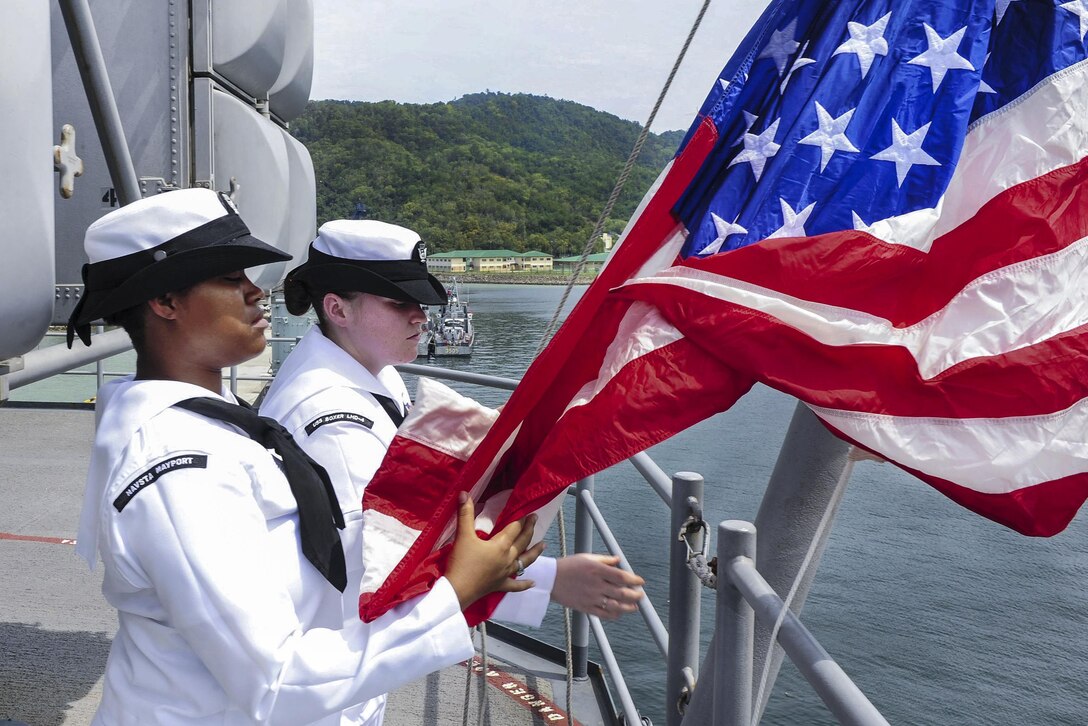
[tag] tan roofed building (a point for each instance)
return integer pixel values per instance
(534, 260)
(446, 261)
(475, 260)
(594, 262)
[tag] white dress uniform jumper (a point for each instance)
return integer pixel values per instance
(221, 618)
(345, 416)
(326, 399)
(224, 616)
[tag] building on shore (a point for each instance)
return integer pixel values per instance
(488, 261)
(534, 260)
(446, 262)
(594, 262)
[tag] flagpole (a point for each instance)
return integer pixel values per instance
(793, 524)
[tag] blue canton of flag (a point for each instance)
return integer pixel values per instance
(834, 115)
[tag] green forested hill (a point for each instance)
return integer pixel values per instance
(486, 171)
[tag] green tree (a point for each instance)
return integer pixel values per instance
(487, 171)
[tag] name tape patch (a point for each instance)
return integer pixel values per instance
(338, 417)
(149, 477)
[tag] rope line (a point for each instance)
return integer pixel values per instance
(620, 182)
(568, 638)
(468, 686)
(483, 708)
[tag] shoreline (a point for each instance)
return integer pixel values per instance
(512, 278)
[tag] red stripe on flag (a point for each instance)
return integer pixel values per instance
(903, 284)
(873, 378)
(647, 401)
(412, 493)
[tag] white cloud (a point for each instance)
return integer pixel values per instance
(612, 56)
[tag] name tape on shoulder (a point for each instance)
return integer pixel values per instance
(149, 477)
(338, 417)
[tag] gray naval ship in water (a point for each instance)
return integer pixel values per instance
(108, 101)
(449, 331)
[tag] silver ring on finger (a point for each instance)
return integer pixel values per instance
(521, 567)
(604, 603)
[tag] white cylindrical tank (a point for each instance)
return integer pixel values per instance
(289, 94)
(26, 185)
(249, 38)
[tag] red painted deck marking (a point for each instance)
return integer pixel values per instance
(33, 538)
(520, 693)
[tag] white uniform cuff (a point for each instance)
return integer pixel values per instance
(528, 607)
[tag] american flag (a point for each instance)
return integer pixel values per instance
(881, 210)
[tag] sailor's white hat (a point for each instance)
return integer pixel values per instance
(160, 244)
(363, 255)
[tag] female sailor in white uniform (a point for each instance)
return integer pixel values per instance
(218, 535)
(340, 396)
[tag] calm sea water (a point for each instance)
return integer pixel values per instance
(941, 617)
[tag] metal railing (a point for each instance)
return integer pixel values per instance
(50, 361)
(743, 595)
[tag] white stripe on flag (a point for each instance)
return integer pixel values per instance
(989, 455)
(1006, 310)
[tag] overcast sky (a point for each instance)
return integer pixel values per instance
(613, 55)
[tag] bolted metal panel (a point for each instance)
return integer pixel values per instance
(146, 52)
(174, 99)
(287, 327)
(27, 185)
(65, 299)
(158, 65)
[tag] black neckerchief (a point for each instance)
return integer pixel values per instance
(319, 514)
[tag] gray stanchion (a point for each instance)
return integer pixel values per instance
(96, 81)
(808, 482)
(735, 627)
(811, 466)
(684, 598)
(583, 542)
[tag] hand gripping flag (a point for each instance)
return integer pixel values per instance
(880, 209)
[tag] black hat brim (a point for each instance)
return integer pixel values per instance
(177, 272)
(337, 277)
